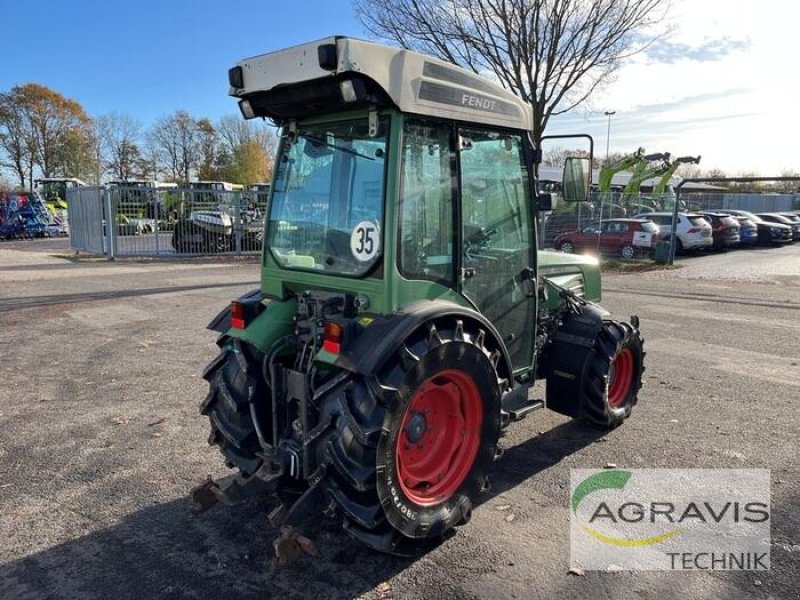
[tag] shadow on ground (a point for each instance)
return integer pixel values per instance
(165, 552)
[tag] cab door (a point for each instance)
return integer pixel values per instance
(497, 235)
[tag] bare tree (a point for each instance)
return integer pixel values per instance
(15, 139)
(119, 135)
(788, 186)
(177, 141)
(552, 53)
(557, 157)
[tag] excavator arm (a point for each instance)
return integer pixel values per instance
(651, 165)
(661, 186)
(607, 173)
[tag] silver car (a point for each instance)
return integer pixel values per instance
(693, 231)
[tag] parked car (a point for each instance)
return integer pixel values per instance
(793, 217)
(778, 218)
(749, 231)
(693, 231)
(625, 237)
(768, 232)
(725, 230)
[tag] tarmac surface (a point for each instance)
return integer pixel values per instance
(101, 440)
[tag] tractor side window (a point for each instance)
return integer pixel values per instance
(426, 203)
(498, 233)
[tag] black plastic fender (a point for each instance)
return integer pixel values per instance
(381, 335)
(565, 358)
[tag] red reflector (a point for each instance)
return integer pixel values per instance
(238, 320)
(332, 347)
(332, 338)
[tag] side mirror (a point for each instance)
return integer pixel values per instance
(545, 201)
(577, 179)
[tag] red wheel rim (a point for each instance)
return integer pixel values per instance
(439, 437)
(621, 378)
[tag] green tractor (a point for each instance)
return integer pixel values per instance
(404, 311)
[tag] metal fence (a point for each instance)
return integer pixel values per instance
(136, 221)
(85, 217)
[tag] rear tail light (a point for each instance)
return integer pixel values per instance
(332, 337)
(238, 315)
(695, 230)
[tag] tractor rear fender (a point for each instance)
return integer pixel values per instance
(266, 321)
(564, 360)
(381, 336)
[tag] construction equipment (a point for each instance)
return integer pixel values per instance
(649, 166)
(662, 193)
(623, 164)
(208, 216)
(404, 312)
(25, 215)
(52, 192)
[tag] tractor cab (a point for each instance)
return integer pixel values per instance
(409, 176)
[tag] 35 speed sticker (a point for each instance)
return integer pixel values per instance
(365, 241)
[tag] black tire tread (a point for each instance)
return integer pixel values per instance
(234, 379)
(613, 336)
(349, 452)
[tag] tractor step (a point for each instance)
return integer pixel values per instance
(516, 405)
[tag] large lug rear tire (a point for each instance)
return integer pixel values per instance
(235, 381)
(614, 375)
(412, 447)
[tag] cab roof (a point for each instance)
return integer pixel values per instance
(309, 79)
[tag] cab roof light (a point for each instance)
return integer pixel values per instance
(247, 109)
(326, 54)
(236, 77)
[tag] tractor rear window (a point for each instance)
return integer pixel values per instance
(327, 207)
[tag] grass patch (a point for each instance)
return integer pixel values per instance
(618, 265)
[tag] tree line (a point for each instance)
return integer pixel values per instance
(43, 133)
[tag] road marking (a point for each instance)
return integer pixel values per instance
(9, 304)
(700, 297)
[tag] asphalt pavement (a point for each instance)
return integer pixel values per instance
(101, 440)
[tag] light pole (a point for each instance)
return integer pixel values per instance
(608, 113)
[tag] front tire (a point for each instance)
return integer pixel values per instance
(567, 247)
(614, 375)
(628, 252)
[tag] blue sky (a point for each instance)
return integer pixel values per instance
(724, 85)
(150, 57)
